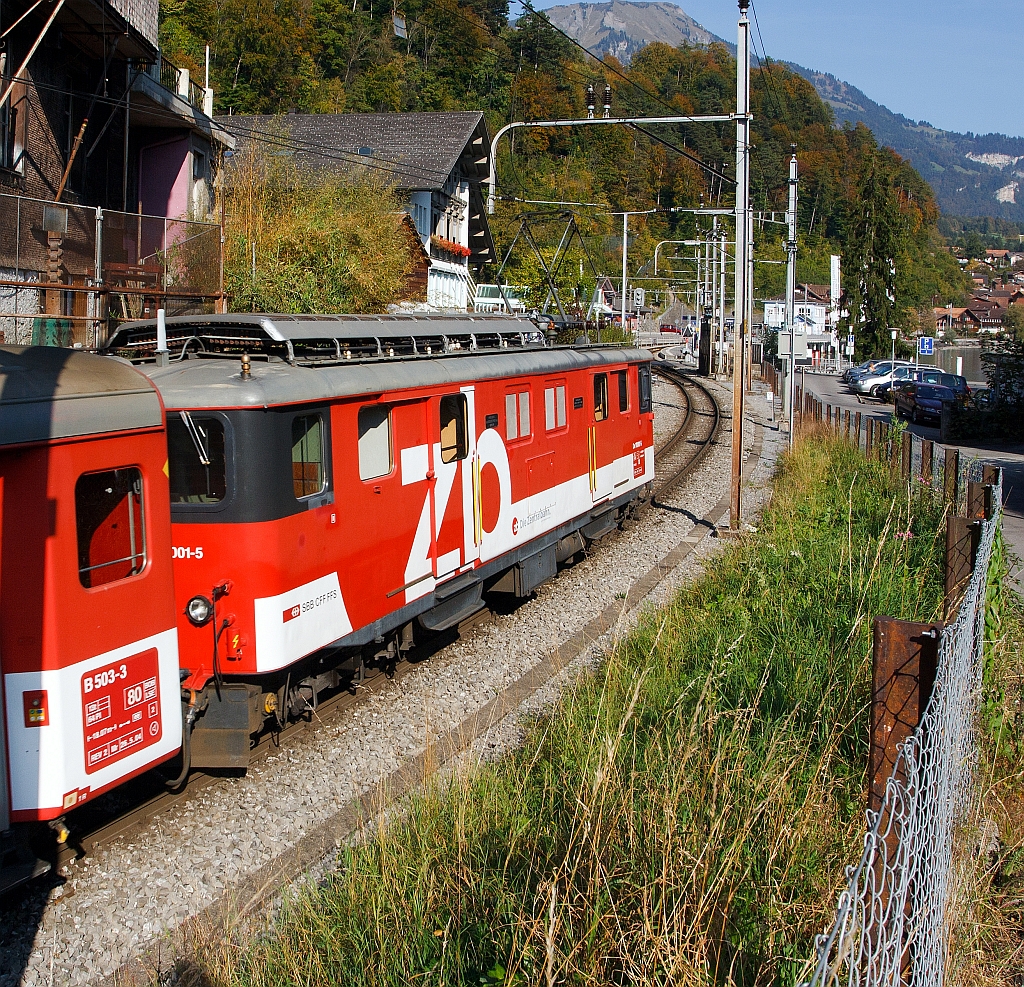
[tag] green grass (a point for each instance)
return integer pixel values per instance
(685, 814)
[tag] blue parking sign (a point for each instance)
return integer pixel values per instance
(926, 345)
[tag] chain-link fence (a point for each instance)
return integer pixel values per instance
(891, 923)
(69, 273)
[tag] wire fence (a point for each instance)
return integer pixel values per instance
(891, 922)
(69, 274)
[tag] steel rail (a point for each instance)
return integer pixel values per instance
(95, 835)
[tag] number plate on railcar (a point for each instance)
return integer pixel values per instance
(121, 709)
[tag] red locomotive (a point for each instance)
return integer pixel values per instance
(333, 485)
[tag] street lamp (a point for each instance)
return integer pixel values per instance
(894, 333)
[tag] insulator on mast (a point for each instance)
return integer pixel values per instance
(591, 101)
(607, 101)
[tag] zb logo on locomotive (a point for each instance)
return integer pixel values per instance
(121, 709)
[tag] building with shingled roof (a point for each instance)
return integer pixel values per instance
(437, 162)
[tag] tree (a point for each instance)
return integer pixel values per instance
(876, 248)
(1013, 321)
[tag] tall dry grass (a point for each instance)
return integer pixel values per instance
(684, 815)
(322, 243)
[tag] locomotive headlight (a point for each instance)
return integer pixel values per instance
(199, 610)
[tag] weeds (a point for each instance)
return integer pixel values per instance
(683, 815)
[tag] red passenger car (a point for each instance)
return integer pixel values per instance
(88, 642)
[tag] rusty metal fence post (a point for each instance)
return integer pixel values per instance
(904, 660)
(951, 478)
(856, 430)
(906, 455)
(927, 463)
(979, 501)
(963, 536)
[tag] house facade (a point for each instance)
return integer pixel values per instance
(102, 143)
(437, 162)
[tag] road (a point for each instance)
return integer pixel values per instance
(1010, 457)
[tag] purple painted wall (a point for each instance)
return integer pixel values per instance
(164, 179)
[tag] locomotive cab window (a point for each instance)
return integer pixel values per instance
(308, 474)
(375, 452)
(454, 431)
(644, 378)
(196, 460)
(600, 397)
(111, 528)
(623, 379)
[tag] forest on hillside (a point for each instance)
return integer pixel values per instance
(856, 198)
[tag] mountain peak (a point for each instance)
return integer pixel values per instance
(621, 28)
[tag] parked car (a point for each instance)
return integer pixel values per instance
(862, 368)
(922, 402)
(955, 382)
(870, 382)
(900, 376)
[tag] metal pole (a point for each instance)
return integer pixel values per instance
(597, 121)
(625, 247)
(721, 299)
(742, 246)
(127, 118)
(791, 291)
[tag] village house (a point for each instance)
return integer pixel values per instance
(102, 142)
(962, 321)
(998, 258)
(437, 162)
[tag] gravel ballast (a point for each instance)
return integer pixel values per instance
(123, 898)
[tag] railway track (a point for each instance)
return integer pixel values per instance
(130, 808)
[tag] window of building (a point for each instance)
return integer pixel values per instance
(600, 397)
(454, 431)
(376, 456)
(517, 415)
(554, 407)
(308, 474)
(111, 529)
(196, 460)
(623, 390)
(644, 381)
(198, 166)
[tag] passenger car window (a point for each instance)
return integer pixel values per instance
(376, 457)
(600, 397)
(644, 380)
(623, 390)
(454, 444)
(196, 461)
(111, 529)
(308, 474)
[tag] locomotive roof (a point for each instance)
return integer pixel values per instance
(50, 393)
(301, 358)
(204, 383)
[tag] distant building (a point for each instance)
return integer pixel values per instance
(436, 161)
(492, 298)
(813, 308)
(998, 258)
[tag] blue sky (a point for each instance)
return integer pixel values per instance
(959, 64)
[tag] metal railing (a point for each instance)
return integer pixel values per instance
(891, 924)
(70, 273)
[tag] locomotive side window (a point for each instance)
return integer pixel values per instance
(644, 376)
(517, 415)
(196, 462)
(554, 407)
(308, 475)
(375, 452)
(454, 444)
(623, 390)
(600, 397)
(111, 532)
